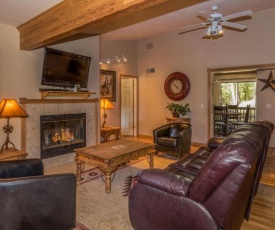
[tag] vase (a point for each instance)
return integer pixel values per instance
(175, 115)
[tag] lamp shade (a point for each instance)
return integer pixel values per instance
(106, 104)
(10, 108)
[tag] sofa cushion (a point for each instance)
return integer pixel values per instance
(169, 141)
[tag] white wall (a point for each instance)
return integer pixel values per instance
(192, 55)
(20, 71)
(110, 49)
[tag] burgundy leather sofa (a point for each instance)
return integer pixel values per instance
(30, 200)
(211, 189)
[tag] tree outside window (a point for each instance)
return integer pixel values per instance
(241, 93)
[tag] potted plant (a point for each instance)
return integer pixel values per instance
(178, 109)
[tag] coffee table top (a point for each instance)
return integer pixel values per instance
(110, 150)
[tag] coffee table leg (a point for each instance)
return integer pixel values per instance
(108, 182)
(151, 160)
(79, 169)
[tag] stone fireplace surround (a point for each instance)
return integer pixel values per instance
(30, 131)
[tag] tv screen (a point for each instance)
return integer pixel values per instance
(65, 69)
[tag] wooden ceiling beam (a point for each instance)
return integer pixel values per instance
(74, 19)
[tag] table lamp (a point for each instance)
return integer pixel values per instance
(10, 108)
(105, 104)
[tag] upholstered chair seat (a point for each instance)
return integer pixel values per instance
(169, 141)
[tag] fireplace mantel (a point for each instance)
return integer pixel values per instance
(49, 93)
(30, 133)
(56, 101)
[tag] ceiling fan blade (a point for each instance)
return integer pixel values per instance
(204, 14)
(203, 24)
(237, 15)
(234, 25)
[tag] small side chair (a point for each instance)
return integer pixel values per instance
(173, 138)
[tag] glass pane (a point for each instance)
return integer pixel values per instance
(247, 93)
(228, 93)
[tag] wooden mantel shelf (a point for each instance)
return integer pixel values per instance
(84, 95)
(56, 101)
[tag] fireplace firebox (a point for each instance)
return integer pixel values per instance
(61, 134)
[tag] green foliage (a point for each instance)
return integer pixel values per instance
(238, 92)
(179, 109)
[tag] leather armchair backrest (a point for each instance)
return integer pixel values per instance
(174, 130)
(21, 168)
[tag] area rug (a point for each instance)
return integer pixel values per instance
(97, 210)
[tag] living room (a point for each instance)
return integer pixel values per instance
(188, 53)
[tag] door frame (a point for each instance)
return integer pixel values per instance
(136, 99)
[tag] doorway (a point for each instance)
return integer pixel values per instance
(129, 105)
(232, 87)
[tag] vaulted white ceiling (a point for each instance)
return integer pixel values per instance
(15, 13)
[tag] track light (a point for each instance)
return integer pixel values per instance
(116, 59)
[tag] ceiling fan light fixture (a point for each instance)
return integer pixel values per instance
(220, 30)
(208, 31)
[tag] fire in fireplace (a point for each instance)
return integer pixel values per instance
(61, 134)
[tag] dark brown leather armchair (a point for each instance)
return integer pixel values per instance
(31, 200)
(211, 189)
(173, 138)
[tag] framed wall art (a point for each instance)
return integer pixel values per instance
(108, 85)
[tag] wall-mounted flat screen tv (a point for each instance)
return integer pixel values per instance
(65, 69)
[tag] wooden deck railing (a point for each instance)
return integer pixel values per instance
(252, 114)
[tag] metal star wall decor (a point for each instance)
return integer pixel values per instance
(269, 82)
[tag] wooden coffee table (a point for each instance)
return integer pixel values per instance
(109, 156)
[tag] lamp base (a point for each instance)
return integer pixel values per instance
(7, 129)
(104, 124)
(5, 145)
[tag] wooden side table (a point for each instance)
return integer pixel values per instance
(106, 132)
(183, 119)
(12, 154)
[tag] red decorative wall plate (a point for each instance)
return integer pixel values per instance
(177, 86)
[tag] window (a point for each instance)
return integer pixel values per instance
(238, 93)
(235, 89)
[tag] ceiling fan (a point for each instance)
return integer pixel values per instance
(215, 21)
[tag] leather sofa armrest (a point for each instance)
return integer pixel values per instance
(38, 202)
(163, 180)
(214, 142)
(21, 168)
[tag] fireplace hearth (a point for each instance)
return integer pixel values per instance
(61, 134)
